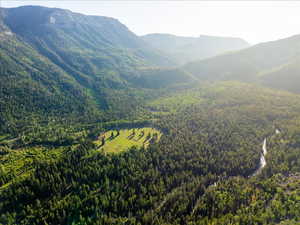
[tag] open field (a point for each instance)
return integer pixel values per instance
(172, 103)
(113, 142)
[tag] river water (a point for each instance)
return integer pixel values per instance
(262, 162)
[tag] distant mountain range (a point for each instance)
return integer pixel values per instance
(274, 64)
(186, 49)
(101, 126)
(58, 63)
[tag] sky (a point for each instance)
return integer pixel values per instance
(254, 21)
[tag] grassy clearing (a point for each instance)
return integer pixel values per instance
(127, 138)
(173, 103)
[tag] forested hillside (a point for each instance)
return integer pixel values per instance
(198, 173)
(55, 63)
(32, 87)
(98, 127)
(272, 63)
(187, 49)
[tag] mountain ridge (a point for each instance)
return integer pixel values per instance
(184, 49)
(87, 61)
(250, 64)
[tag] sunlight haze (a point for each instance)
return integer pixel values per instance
(149, 112)
(253, 21)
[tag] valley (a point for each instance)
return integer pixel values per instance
(102, 126)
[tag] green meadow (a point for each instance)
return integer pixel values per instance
(174, 102)
(114, 141)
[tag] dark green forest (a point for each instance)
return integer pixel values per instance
(66, 79)
(199, 172)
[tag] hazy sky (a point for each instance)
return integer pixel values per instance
(254, 21)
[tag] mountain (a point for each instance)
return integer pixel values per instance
(186, 49)
(56, 62)
(286, 77)
(274, 64)
(45, 27)
(97, 127)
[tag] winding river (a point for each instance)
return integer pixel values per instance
(262, 162)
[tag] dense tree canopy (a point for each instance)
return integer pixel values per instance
(198, 173)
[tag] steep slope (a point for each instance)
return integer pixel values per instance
(58, 63)
(49, 25)
(274, 64)
(285, 77)
(32, 86)
(186, 49)
(84, 46)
